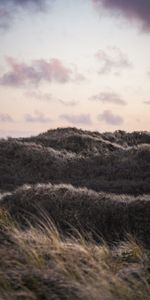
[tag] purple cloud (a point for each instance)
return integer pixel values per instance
(5, 17)
(138, 10)
(112, 60)
(9, 8)
(110, 118)
(109, 97)
(77, 119)
(6, 118)
(37, 117)
(21, 74)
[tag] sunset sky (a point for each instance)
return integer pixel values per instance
(78, 63)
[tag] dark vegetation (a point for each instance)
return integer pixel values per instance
(75, 216)
(101, 215)
(111, 162)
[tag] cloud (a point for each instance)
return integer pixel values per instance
(136, 10)
(147, 102)
(6, 118)
(10, 8)
(79, 77)
(38, 4)
(109, 97)
(110, 118)
(37, 117)
(5, 17)
(77, 119)
(46, 97)
(112, 60)
(21, 74)
(68, 103)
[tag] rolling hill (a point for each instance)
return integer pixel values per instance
(74, 216)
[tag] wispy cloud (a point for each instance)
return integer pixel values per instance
(109, 98)
(77, 119)
(37, 117)
(6, 118)
(47, 97)
(22, 74)
(108, 117)
(112, 60)
(44, 97)
(137, 10)
(68, 103)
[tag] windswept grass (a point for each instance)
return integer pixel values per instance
(101, 215)
(39, 263)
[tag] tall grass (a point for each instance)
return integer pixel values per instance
(103, 215)
(40, 263)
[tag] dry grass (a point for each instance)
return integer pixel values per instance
(39, 263)
(103, 215)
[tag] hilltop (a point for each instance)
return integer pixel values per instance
(116, 162)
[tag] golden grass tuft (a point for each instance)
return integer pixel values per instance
(41, 264)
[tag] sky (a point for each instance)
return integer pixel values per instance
(74, 63)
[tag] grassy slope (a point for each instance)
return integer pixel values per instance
(102, 249)
(104, 215)
(77, 158)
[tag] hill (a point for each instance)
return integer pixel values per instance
(79, 158)
(102, 215)
(74, 216)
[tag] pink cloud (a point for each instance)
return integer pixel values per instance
(21, 74)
